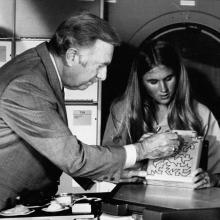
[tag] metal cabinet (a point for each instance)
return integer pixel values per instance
(193, 26)
(5, 51)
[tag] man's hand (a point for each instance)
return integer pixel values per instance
(158, 146)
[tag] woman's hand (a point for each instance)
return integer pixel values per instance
(203, 179)
(129, 175)
(134, 173)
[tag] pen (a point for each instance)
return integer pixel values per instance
(158, 129)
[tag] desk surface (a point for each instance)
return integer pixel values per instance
(168, 197)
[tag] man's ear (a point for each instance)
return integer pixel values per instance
(70, 56)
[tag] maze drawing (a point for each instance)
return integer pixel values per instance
(180, 165)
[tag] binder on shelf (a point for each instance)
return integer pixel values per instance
(82, 121)
(5, 51)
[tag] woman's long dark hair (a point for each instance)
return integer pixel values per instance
(139, 108)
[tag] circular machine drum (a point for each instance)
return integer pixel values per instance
(200, 48)
(195, 30)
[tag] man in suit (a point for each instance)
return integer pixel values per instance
(36, 144)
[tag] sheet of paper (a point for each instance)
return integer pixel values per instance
(180, 166)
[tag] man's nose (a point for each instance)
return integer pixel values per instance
(102, 74)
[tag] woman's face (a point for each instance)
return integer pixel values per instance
(160, 83)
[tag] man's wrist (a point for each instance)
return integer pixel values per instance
(131, 155)
(139, 149)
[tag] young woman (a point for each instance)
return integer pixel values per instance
(158, 99)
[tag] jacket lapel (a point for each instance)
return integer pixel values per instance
(52, 76)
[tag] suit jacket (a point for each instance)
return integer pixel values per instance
(35, 143)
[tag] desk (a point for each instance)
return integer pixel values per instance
(163, 203)
(64, 217)
(157, 203)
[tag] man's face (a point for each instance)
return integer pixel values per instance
(87, 66)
